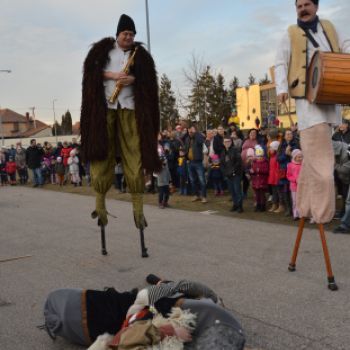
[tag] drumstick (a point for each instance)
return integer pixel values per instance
(18, 257)
(290, 118)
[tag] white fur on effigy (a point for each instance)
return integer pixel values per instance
(177, 318)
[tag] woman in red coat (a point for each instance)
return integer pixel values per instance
(260, 170)
(65, 154)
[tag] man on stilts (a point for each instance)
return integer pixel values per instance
(125, 128)
(315, 195)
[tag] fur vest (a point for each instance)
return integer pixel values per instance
(93, 120)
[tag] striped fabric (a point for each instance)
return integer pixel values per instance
(191, 288)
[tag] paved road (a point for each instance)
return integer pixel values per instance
(245, 262)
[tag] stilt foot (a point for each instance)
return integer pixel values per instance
(291, 267)
(331, 284)
(144, 253)
(103, 237)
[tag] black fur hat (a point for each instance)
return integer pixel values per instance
(125, 23)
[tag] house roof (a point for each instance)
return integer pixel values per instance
(33, 131)
(9, 116)
(76, 128)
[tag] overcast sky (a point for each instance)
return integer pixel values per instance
(44, 42)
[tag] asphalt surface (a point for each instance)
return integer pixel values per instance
(244, 261)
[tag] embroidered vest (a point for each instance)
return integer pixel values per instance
(298, 67)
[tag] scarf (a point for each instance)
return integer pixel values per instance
(309, 25)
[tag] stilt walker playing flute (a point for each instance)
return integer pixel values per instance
(315, 195)
(120, 118)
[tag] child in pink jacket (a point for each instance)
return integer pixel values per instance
(293, 172)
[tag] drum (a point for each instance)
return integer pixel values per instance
(329, 78)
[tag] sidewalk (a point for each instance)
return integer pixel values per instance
(244, 261)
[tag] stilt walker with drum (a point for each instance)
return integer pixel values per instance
(315, 195)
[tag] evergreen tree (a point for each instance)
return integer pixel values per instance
(265, 81)
(167, 101)
(66, 124)
(234, 84)
(251, 80)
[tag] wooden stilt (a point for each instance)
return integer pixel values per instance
(331, 283)
(291, 266)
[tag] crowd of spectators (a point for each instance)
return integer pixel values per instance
(266, 159)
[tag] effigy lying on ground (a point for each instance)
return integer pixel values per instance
(167, 315)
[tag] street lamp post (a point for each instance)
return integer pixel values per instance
(54, 118)
(148, 35)
(2, 133)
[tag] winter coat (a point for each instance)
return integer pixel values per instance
(24, 150)
(182, 166)
(342, 165)
(66, 152)
(197, 146)
(3, 170)
(48, 152)
(215, 173)
(12, 152)
(218, 144)
(342, 137)
(237, 142)
(170, 157)
(20, 160)
(274, 167)
(52, 169)
(175, 146)
(284, 159)
(11, 167)
(234, 165)
(73, 165)
(164, 178)
(80, 164)
(34, 157)
(118, 170)
(261, 174)
(60, 168)
(293, 172)
(57, 152)
(6, 155)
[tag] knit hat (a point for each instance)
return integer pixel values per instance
(296, 152)
(10, 157)
(274, 134)
(215, 157)
(125, 23)
(59, 143)
(59, 158)
(259, 151)
(250, 152)
(178, 127)
(167, 145)
(275, 145)
(182, 148)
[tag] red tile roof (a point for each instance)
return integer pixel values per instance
(9, 116)
(76, 128)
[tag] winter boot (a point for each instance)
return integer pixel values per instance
(262, 208)
(222, 193)
(240, 209)
(234, 208)
(257, 208)
(173, 189)
(280, 209)
(216, 193)
(274, 207)
(289, 204)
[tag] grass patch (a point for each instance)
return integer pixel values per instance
(220, 204)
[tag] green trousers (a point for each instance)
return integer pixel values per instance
(124, 141)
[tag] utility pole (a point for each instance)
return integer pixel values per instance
(148, 34)
(54, 119)
(2, 133)
(32, 108)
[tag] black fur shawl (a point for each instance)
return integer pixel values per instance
(93, 119)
